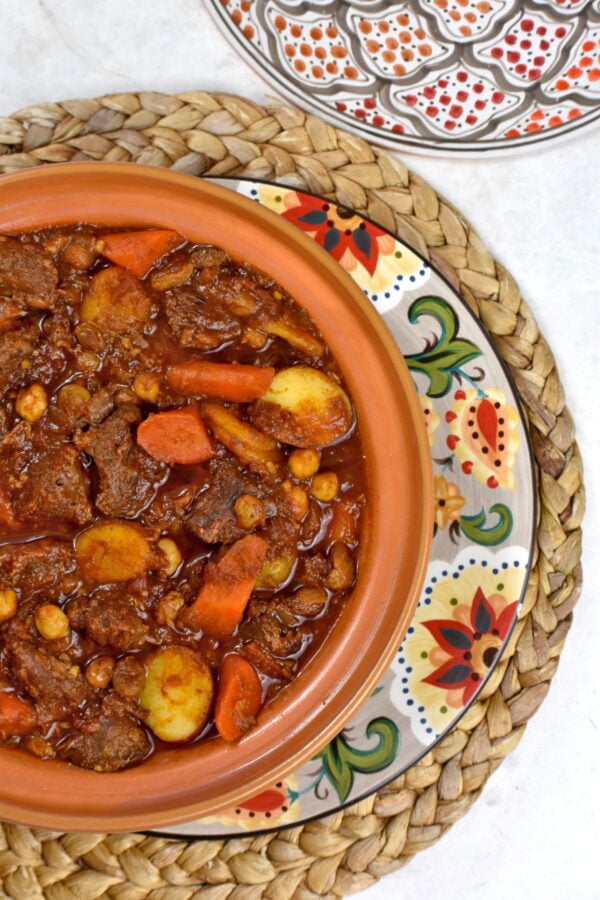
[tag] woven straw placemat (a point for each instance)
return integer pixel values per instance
(220, 134)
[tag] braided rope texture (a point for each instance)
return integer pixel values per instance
(221, 134)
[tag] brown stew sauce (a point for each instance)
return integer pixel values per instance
(141, 548)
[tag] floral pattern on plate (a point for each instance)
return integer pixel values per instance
(448, 75)
(378, 264)
(463, 618)
(483, 533)
(529, 49)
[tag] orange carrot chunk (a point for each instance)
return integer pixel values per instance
(239, 697)
(228, 584)
(138, 251)
(176, 436)
(17, 716)
(227, 381)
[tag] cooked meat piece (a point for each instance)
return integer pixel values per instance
(199, 321)
(313, 570)
(278, 639)
(109, 619)
(55, 687)
(16, 450)
(40, 565)
(207, 255)
(168, 510)
(211, 517)
(261, 659)
(15, 347)
(55, 481)
(128, 476)
(100, 405)
(106, 743)
(27, 275)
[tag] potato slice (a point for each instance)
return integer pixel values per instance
(115, 301)
(113, 551)
(177, 695)
(303, 407)
(248, 444)
(298, 337)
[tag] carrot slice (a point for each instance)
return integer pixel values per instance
(17, 716)
(176, 436)
(227, 381)
(239, 697)
(227, 587)
(138, 251)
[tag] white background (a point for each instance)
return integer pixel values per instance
(536, 829)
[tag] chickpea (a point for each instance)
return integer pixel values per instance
(40, 747)
(129, 677)
(73, 398)
(32, 402)
(88, 360)
(80, 252)
(99, 671)
(147, 386)
(249, 511)
(167, 608)
(171, 277)
(51, 622)
(308, 601)
(172, 554)
(8, 604)
(297, 499)
(341, 576)
(304, 463)
(255, 339)
(325, 486)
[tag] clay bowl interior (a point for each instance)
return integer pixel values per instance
(198, 780)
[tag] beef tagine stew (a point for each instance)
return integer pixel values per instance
(181, 488)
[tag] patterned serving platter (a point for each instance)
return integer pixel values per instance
(485, 513)
(458, 76)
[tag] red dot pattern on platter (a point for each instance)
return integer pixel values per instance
(525, 67)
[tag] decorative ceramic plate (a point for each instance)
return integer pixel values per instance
(447, 75)
(485, 505)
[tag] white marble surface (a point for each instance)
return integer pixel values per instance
(535, 831)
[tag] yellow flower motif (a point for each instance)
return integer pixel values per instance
(448, 501)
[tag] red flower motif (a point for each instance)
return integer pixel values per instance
(337, 229)
(471, 650)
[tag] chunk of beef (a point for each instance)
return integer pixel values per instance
(109, 619)
(208, 255)
(55, 484)
(128, 476)
(57, 690)
(28, 276)
(261, 659)
(168, 510)
(200, 321)
(313, 570)
(42, 565)
(100, 405)
(276, 637)
(16, 450)
(15, 347)
(106, 741)
(211, 517)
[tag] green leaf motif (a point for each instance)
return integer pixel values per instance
(476, 529)
(340, 760)
(445, 358)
